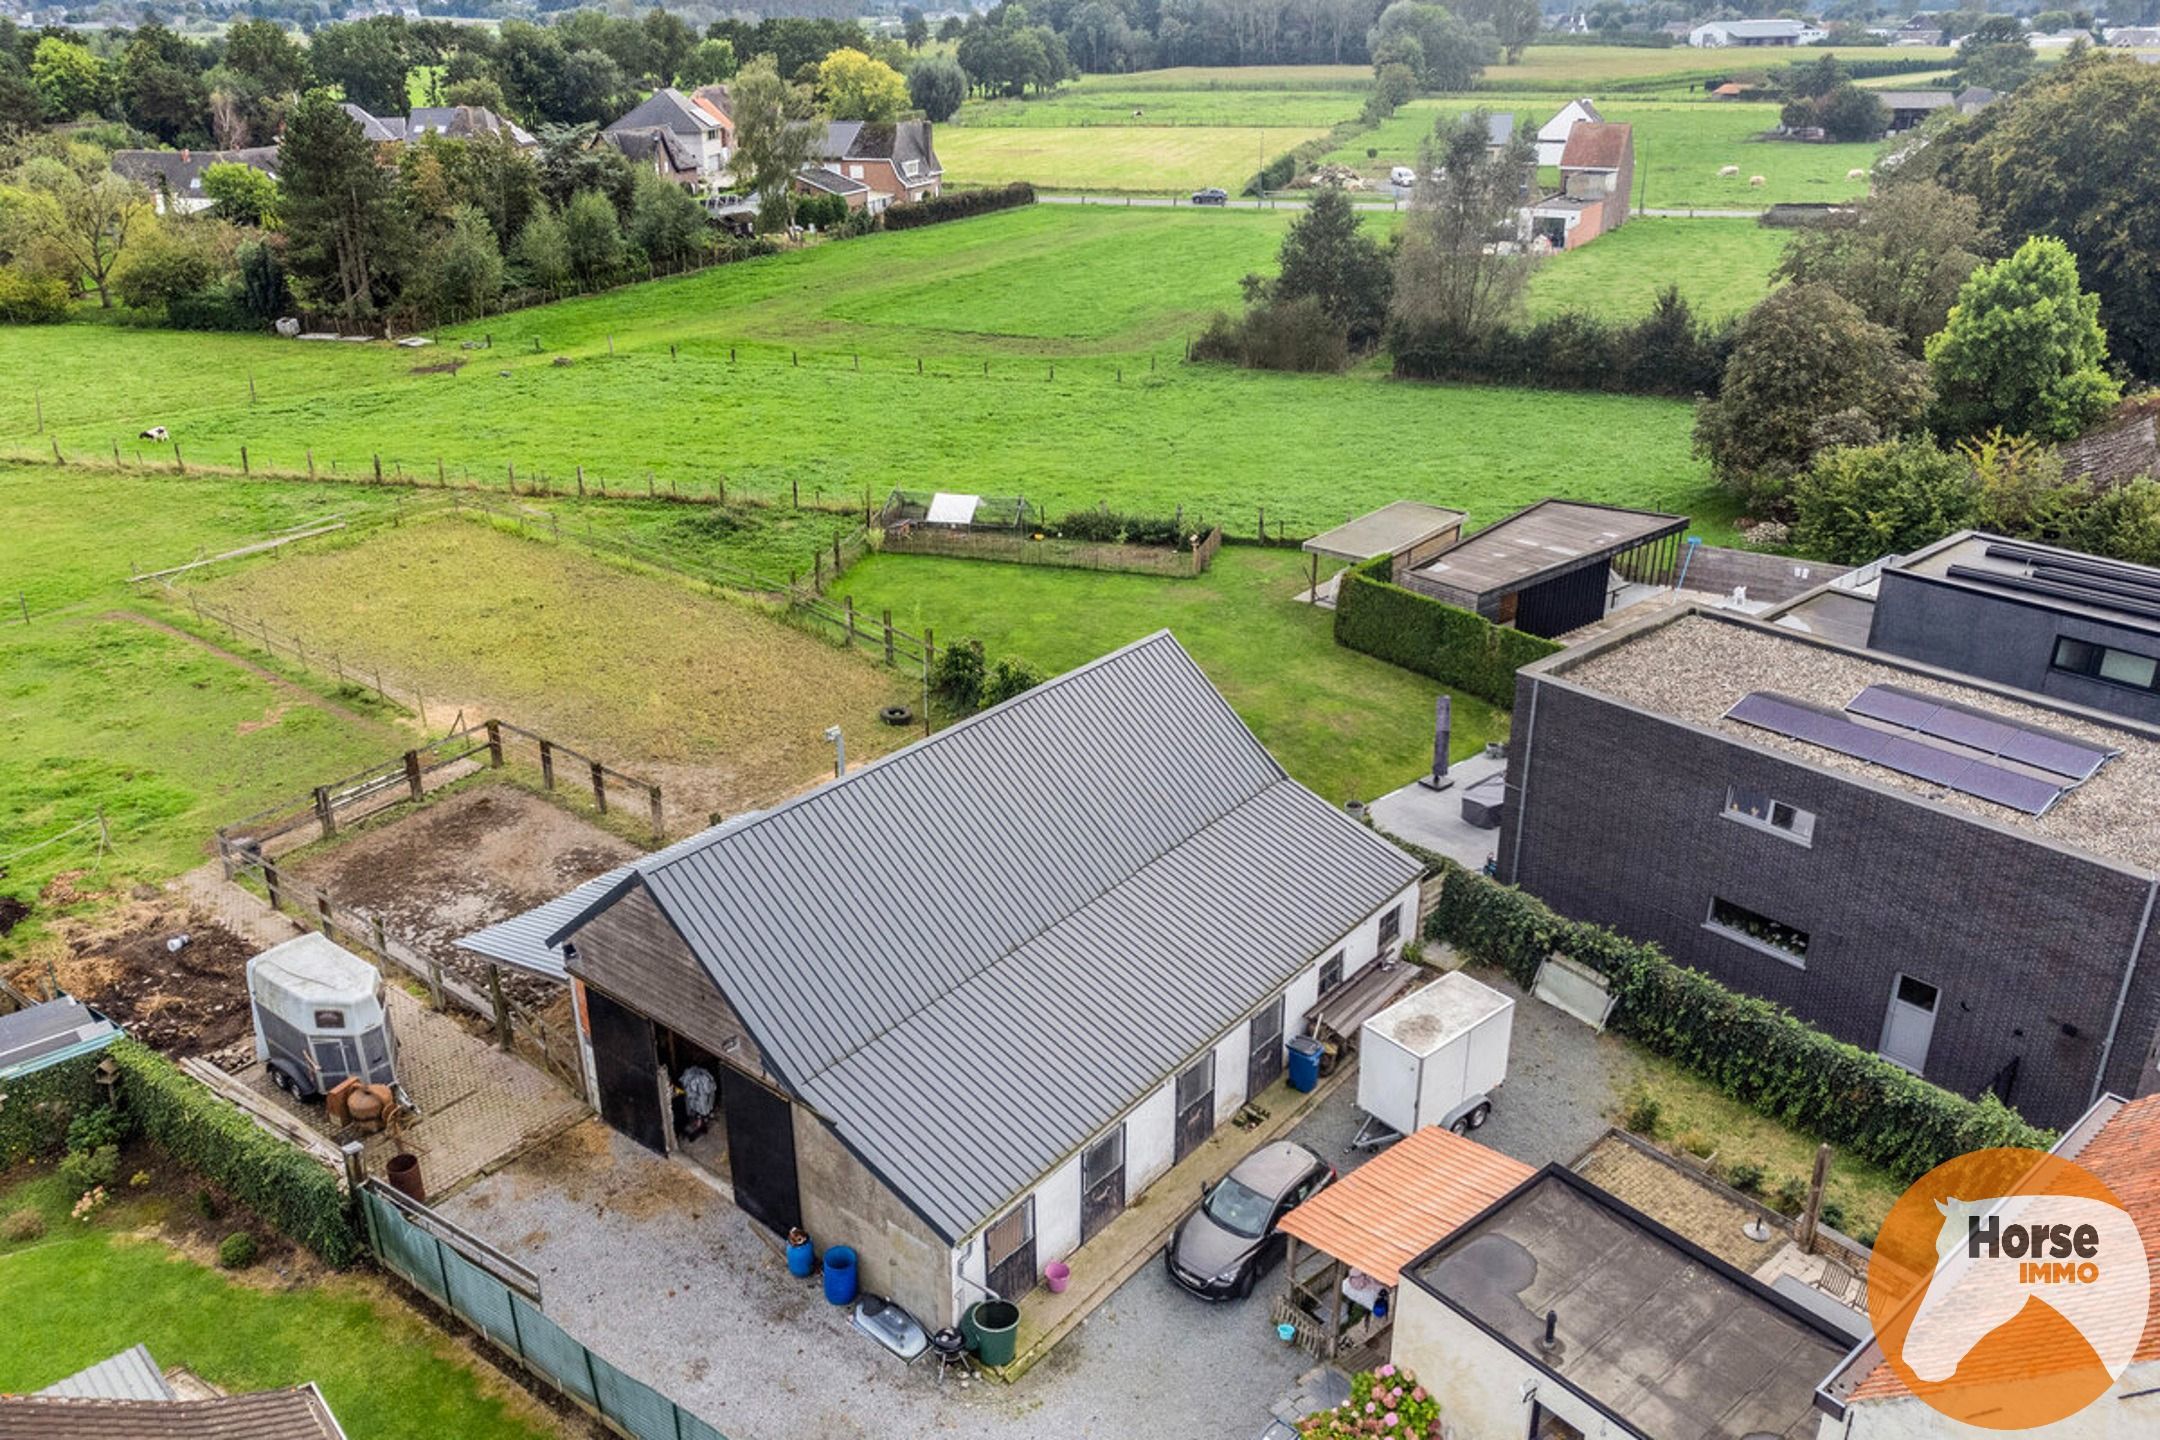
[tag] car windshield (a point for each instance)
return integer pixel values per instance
(1239, 1208)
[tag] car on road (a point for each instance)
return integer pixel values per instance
(1402, 177)
(1213, 195)
(1230, 1238)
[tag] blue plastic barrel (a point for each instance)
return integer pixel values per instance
(800, 1259)
(1305, 1053)
(840, 1276)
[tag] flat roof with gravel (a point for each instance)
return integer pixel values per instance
(1695, 667)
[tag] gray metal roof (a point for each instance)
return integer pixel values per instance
(130, 1375)
(1039, 913)
(1390, 530)
(522, 941)
(45, 1034)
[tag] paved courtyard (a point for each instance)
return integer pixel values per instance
(644, 1260)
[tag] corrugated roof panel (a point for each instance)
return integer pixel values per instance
(130, 1375)
(1405, 1200)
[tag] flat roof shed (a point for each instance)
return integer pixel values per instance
(1546, 569)
(1409, 530)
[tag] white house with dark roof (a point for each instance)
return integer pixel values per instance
(174, 177)
(689, 138)
(969, 1002)
(1552, 136)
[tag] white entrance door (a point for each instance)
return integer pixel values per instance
(1910, 1024)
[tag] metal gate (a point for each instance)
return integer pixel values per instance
(1009, 1252)
(1195, 1104)
(627, 1067)
(1265, 1065)
(1102, 1183)
(761, 1151)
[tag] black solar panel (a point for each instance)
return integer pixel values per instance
(1945, 720)
(1963, 773)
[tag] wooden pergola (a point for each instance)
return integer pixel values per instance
(1349, 1243)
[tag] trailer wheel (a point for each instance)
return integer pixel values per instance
(1460, 1125)
(284, 1081)
(1478, 1116)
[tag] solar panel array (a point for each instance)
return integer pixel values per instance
(1962, 725)
(1968, 775)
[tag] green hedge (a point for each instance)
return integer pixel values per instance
(279, 1183)
(1462, 651)
(958, 205)
(35, 1109)
(1750, 1049)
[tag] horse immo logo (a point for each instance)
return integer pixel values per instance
(2009, 1288)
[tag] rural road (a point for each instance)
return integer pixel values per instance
(1179, 202)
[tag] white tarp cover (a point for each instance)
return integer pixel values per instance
(952, 509)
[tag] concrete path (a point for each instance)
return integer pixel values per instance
(1433, 818)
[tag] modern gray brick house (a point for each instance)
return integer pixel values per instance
(2051, 621)
(1658, 782)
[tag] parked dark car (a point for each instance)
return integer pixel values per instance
(1230, 1239)
(1213, 195)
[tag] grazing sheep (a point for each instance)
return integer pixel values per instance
(1728, 171)
(1856, 173)
(1756, 182)
(155, 432)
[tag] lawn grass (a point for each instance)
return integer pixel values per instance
(1356, 78)
(1721, 266)
(1081, 107)
(1150, 159)
(1583, 69)
(721, 703)
(88, 1290)
(1346, 725)
(1106, 296)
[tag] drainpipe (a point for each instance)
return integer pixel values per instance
(1514, 875)
(1694, 543)
(2122, 996)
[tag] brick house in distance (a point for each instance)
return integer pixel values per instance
(893, 158)
(1597, 173)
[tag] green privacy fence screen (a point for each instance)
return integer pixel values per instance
(501, 1299)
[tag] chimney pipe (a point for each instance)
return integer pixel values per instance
(1551, 1338)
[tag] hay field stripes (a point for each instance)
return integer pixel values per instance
(1144, 159)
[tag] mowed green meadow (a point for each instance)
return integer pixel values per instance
(1584, 68)
(1050, 342)
(1163, 159)
(1722, 267)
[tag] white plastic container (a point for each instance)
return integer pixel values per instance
(1436, 1056)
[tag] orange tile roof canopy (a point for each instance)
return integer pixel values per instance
(1405, 1200)
(1596, 145)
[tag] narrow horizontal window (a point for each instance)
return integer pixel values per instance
(1760, 809)
(1760, 931)
(2104, 662)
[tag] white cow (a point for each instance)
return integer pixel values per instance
(155, 432)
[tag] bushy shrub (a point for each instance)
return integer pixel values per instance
(95, 1128)
(22, 1226)
(1384, 1404)
(1293, 335)
(1107, 527)
(1859, 503)
(1008, 678)
(31, 299)
(1747, 1048)
(1643, 1114)
(1461, 650)
(87, 1169)
(822, 210)
(958, 676)
(958, 205)
(1667, 352)
(1790, 1195)
(237, 1251)
(40, 1106)
(1745, 1176)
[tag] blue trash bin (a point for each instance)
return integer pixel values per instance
(1305, 1053)
(840, 1276)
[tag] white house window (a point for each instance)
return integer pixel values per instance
(911, 168)
(1759, 809)
(1759, 932)
(854, 172)
(1390, 928)
(1331, 973)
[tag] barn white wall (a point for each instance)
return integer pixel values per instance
(1057, 1213)
(1150, 1139)
(1484, 1388)
(1231, 1055)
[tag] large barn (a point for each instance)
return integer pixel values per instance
(968, 1002)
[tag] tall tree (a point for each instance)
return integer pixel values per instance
(857, 87)
(937, 86)
(1443, 50)
(708, 63)
(543, 251)
(2023, 350)
(666, 221)
(465, 266)
(367, 60)
(77, 214)
(262, 51)
(160, 87)
(69, 80)
(346, 231)
(594, 238)
(1900, 255)
(1328, 256)
(776, 134)
(1451, 277)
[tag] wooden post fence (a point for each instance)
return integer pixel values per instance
(547, 764)
(599, 785)
(494, 742)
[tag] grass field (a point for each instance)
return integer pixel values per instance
(1583, 69)
(1158, 158)
(1680, 145)
(1090, 291)
(1347, 725)
(1721, 266)
(86, 1291)
(1080, 106)
(725, 706)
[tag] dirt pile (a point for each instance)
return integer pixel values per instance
(188, 1001)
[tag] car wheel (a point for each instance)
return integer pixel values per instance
(1480, 1115)
(1244, 1284)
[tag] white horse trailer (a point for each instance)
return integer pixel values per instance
(1434, 1057)
(319, 1017)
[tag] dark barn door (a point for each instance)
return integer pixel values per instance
(1009, 1252)
(761, 1151)
(1265, 1066)
(1195, 1105)
(1563, 603)
(1102, 1183)
(628, 1070)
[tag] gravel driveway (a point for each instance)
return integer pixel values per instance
(640, 1258)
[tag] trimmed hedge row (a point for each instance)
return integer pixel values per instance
(35, 1109)
(958, 205)
(269, 1177)
(1462, 651)
(1666, 352)
(1750, 1049)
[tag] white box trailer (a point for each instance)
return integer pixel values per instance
(319, 1017)
(1434, 1057)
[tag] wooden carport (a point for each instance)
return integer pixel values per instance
(1357, 1234)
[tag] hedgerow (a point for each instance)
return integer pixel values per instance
(1461, 650)
(280, 1184)
(36, 1109)
(958, 205)
(1754, 1051)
